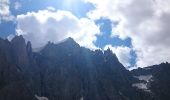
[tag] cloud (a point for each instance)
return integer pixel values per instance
(5, 13)
(123, 54)
(146, 22)
(51, 25)
(17, 5)
(10, 37)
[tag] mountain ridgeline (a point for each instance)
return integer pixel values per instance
(66, 71)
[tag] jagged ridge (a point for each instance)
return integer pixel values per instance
(64, 71)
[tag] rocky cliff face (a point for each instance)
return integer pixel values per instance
(19, 76)
(156, 78)
(66, 71)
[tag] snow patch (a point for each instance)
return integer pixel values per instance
(144, 77)
(143, 85)
(82, 98)
(41, 98)
(140, 85)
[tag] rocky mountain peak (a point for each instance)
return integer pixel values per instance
(69, 39)
(110, 55)
(69, 42)
(18, 40)
(67, 71)
(19, 49)
(29, 47)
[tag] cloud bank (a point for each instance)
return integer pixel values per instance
(146, 22)
(51, 25)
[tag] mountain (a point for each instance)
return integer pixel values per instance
(158, 81)
(67, 71)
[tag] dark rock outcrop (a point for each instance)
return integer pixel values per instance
(18, 73)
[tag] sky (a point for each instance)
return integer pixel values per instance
(137, 31)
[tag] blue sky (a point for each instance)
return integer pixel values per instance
(131, 31)
(106, 38)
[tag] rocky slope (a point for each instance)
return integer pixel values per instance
(156, 78)
(66, 71)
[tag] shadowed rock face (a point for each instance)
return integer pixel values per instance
(65, 71)
(18, 72)
(19, 51)
(159, 83)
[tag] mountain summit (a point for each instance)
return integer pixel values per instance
(66, 71)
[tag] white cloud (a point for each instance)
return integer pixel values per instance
(146, 22)
(17, 5)
(123, 54)
(5, 13)
(4, 5)
(10, 37)
(50, 25)
(51, 8)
